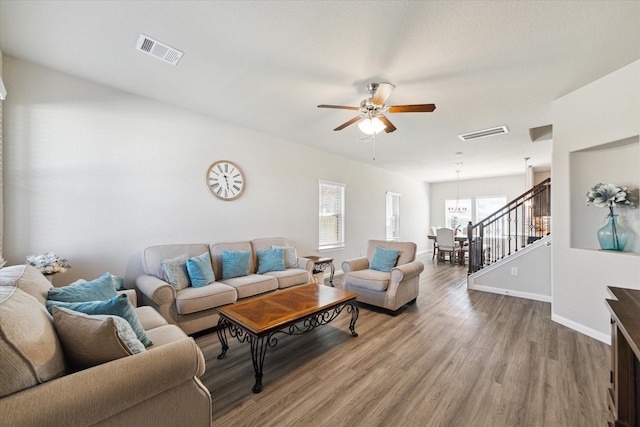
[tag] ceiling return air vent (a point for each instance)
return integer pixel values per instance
(158, 50)
(483, 133)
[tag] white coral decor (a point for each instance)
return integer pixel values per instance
(49, 263)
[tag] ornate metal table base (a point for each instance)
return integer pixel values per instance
(260, 343)
(320, 267)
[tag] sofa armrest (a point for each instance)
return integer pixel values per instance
(160, 293)
(94, 394)
(305, 264)
(355, 264)
(406, 271)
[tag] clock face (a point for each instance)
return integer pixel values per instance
(225, 180)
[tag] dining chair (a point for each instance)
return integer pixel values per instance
(447, 245)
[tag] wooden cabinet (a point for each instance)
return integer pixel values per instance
(624, 392)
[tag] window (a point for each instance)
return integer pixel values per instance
(393, 216)
(485, 206)
(457, 213)
(331, 215)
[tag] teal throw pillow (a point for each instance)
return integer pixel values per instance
(175, 271)
(99, 289)
(270, 260)
(200, 270)
(116, 306)
(290, 256)
(384, 259)
(235, 264)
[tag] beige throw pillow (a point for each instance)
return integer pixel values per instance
(90, 340)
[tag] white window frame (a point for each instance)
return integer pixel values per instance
(331, 207)
(392, 220)
(503, 202)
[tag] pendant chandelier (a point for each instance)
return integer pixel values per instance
(458, 208)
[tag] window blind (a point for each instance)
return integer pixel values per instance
(331, 214)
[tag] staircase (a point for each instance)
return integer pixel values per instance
(519, 223)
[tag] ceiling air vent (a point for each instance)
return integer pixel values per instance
(158, 50)
(483, 133)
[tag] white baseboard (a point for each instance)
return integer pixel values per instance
(605, 338)
(511, 292)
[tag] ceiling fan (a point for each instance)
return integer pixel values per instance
(373, 120)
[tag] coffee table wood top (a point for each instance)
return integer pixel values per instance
(275, 310)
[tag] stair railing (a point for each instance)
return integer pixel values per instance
(522, 221)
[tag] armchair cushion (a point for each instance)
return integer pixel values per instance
(118, 306)
(384, 259)
(369, 279)
(200, 270)
(100, 289)
(92, 340)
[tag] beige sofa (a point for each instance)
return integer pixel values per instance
(390, 290)
(194, 308)
(38, 387)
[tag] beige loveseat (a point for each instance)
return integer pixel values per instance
(390, 290)
(194, 308)
(38, 387)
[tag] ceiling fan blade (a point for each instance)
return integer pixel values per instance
(340, 107)
(417, 108)
(350, 122)
(382, 93)
(389, 126)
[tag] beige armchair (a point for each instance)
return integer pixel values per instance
(390, 290)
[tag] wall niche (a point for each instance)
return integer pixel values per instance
(616, 162)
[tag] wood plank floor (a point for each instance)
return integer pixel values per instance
(455, 358)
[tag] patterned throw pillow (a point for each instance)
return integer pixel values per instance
(175, 271)
(117, 306)
(384, 259)
(235, 264)
(290, 256)
(200, 270)
(270, 260)
(89, 340)
(100, 289)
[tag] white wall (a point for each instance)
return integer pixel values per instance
(604, 111)
(96, 175)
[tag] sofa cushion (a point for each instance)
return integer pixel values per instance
(27, 278)
(200, 270)
(290, 277)
(270, 260)
(235, 264)
(175, 271)
(373, 280)
(253, 284)
(30, 352)
(100, 289)
(384, 259)
(90, 340)
(193, 300)
(153, 256)
(149, 318)
(118, 306)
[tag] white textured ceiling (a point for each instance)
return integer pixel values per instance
(265, 65)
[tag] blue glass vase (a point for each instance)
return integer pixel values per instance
(613, 236)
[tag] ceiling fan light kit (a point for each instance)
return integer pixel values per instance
(371, 126)
(374, 121)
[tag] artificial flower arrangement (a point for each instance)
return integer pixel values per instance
(611, 196)
(611, 236)
(49, 263)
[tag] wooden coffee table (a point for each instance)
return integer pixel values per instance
(292, 311)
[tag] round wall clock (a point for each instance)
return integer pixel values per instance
(225, 180)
